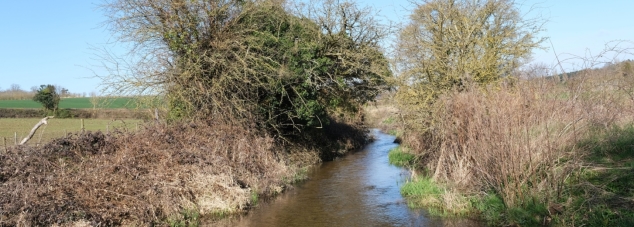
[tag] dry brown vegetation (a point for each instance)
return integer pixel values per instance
(484, 125)
(150, 177)
(261, 82)
(522, 138)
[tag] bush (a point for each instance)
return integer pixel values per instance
(63, 113)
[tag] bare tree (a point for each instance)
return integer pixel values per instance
(94, 99)
(15, 88)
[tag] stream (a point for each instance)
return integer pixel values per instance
(360, 189)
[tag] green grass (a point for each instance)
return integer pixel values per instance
(187, 218)
(398, 157)
(56, 127)
(436, 199)
(74, 103)
(602, 194)
(254, 198)
(420, 187)
(423, 192)
(491, 208)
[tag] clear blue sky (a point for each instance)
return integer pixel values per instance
(49, 42)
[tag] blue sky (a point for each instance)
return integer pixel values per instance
(49, 42)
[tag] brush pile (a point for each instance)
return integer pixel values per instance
(147, 177)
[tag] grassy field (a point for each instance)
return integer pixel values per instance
(74, 103)
(57, 127)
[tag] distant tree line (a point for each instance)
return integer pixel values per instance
(15, 92)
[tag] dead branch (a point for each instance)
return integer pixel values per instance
(34, 129)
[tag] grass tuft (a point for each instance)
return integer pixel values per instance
(491, 207)
(399, 157)
(423, 192)
(186, 218)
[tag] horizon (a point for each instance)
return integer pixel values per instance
(52, 43)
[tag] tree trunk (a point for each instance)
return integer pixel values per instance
(42, 122)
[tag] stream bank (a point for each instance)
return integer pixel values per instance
(360, 189)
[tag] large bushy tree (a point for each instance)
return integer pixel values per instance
(448, 44)
(250, 62)
(48, 97)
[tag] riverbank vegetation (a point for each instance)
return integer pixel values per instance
(507, 143)
(399, 157)
(537, 150)
(248, 93)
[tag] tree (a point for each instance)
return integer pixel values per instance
(94, 99)
(248, 62)
(64, 92)
(15, 88)
(450, 43)
(48, 97)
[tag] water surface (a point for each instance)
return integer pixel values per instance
(360, 189)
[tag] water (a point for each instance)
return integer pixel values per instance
(361, 189)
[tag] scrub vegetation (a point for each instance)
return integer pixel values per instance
(511, 144)
(522, 153)
(249, 94)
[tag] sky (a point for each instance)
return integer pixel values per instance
(53, 42)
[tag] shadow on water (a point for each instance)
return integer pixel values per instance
(361, 189)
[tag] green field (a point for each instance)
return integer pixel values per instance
(75, 103)
(57, 128)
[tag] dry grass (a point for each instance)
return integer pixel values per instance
(159, 175)
(520, 139)
(385, 115)
(146, 177)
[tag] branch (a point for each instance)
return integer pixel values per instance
(43, 121)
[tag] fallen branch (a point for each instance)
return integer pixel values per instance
(42, 122)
